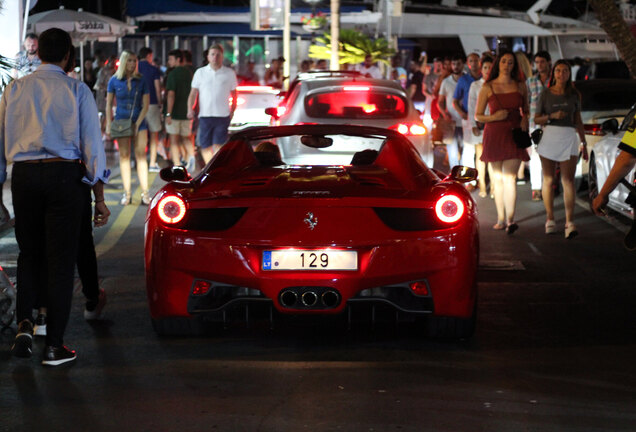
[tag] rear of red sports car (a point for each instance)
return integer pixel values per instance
(354, 220)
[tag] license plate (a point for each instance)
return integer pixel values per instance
(316, 259)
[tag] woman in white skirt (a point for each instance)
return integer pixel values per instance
(559, 109)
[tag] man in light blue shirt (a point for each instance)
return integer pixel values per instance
(49, 129)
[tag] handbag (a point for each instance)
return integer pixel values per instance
(536, 135)
(519, 136)
(123, 128)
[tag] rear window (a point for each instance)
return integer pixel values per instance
(608, 98)
(356, 104)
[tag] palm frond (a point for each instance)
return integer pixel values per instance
(6, 65)
(354, 46)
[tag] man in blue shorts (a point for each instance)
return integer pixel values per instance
(215, 86)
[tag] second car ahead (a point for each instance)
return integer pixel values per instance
(354, 100)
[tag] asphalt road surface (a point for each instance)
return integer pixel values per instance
(554, 350)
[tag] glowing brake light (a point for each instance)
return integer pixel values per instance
(239, 100)
(171, 209)
(593, 129)
(356, 88)
(254, 88)
(409, 129)
(281, 110)
(449, 208)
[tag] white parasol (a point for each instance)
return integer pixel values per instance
(82, 26)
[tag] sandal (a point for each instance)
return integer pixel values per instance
(570, 230)
(511, 228)
(126, 199)
(550, 226)
(499, 226)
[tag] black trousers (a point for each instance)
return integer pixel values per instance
(86, 257)
(48, 200)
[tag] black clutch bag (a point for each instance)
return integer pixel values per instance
(521, 138)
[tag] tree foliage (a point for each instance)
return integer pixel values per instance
(612, 22)
(6, 64)
(353, 47)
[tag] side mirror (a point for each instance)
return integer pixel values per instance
(272, 111)
(177, 172)
(462, 174)
(610, 125)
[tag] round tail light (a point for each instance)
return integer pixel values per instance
(449, 208)
(171, 209)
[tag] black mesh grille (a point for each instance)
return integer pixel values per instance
(213, 219)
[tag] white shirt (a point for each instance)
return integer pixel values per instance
(372, 71)
(447, 90)
(215, 88)
(473, 93)
(46, 115)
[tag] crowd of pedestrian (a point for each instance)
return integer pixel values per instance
(477, 101)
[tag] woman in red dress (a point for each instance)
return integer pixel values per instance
(506, 96)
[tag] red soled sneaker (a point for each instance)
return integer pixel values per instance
(55, 356)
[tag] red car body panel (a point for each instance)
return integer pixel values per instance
(342, 199)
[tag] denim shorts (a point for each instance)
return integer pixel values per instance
(213, 130)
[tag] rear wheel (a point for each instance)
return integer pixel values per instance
(178, 326)
(592, 179)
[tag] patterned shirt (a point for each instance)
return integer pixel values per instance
(25, 65)
(535, 87)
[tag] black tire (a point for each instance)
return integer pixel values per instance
(592, 179)
(178, 326)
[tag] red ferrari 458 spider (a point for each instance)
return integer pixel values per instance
(313, 220)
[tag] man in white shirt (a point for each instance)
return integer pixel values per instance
(368, 69)
(214, 85)
(453, 136)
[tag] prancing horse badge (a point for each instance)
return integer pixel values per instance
(311, 221)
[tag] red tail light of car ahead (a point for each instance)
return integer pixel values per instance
(254, 88)
(593, 129)
(171, 209)
(449, 208)
(281, 110)
(409, 128)
(239, 100)
(356, 88)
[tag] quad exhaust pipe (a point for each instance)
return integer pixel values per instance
(288, 298)
(315, 298)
